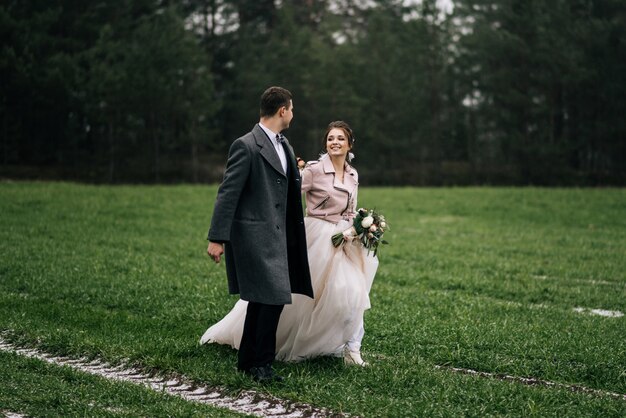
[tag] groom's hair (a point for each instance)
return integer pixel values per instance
(273, 99)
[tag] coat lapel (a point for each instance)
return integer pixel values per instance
(349, 182)
(291, 158)
(267, 150)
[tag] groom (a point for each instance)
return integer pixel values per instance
(258, 224)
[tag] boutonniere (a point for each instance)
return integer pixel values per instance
(301, 163)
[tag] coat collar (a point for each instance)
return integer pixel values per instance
(349, 180)
(268, 152)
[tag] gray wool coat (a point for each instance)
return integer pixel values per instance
(258, 216)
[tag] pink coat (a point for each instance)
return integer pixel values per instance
(326, 197)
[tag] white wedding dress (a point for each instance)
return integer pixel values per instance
(341, 278)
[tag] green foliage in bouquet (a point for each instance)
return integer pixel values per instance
(368, 226)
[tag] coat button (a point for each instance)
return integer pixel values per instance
(277, 205)
(277, 227)
(278, 181)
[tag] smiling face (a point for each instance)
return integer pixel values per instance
(337, 144)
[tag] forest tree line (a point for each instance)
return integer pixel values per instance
(490, 92)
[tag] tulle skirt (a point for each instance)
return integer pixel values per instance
(341, 277)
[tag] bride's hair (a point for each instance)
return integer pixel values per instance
(339, 124)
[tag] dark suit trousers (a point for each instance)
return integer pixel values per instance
(258, 342)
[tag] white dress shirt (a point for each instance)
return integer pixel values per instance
(277, 146)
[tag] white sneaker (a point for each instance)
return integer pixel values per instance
(353, 358)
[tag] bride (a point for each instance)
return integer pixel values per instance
(332, 323)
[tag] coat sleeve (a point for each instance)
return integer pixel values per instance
(235, 178)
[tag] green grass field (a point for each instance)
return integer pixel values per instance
(478, 278)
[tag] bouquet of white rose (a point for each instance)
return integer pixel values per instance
(369, 226)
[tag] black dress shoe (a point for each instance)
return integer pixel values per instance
(264, 374)
(273, 376)
(259, 374)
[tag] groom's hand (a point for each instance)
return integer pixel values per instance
(215, 251)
